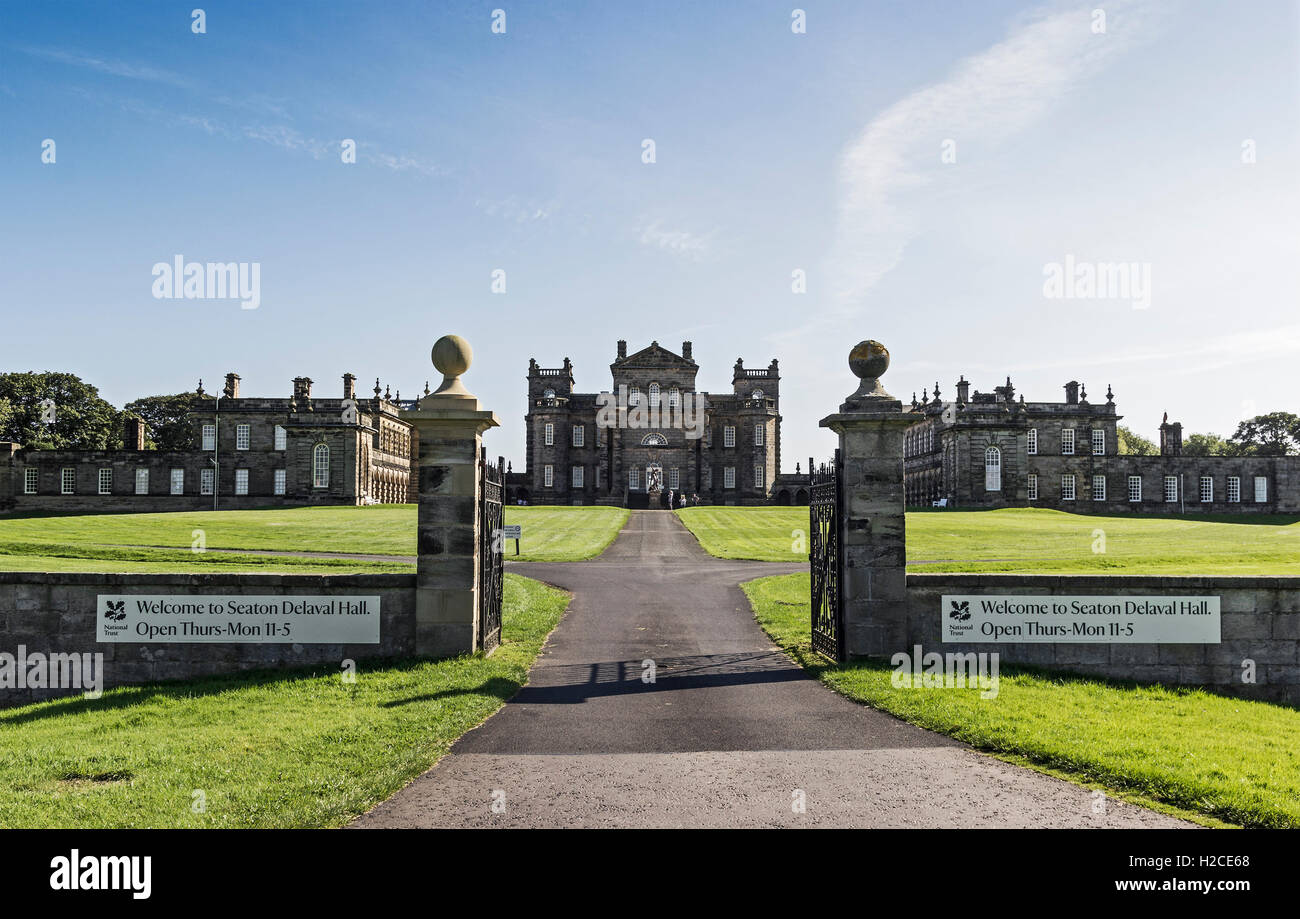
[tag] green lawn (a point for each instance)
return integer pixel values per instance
(1031, 540)
(1227, 759)
(124, 542)
(281, 749)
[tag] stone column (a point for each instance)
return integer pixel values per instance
(871, 424)
(450, 425)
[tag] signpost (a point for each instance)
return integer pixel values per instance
(513, 531)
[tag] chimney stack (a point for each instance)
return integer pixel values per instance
(1072, 393)
(133, 432)
(686, 350)
(1171, 437)
(232, 387)
(349, 386)
(963, 390)
(302, 390)
(622, 349)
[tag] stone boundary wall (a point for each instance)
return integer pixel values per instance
(53, 612)
(1260, 619)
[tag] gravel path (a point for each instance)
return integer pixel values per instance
(731, 733)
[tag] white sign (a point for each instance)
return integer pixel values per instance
(982, 618)
(279, 620)
(512, 531)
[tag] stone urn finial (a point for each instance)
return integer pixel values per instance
(452, 356)
(868, 360)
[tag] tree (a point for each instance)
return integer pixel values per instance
(1207, 445)
(166, 419)
(82, 420)
(1274, 434)
(1131, 444)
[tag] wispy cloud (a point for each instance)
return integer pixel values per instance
(988, 98)
(678, 242)
(111, 66)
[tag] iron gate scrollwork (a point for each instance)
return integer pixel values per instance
(825, 558)
(491, 555)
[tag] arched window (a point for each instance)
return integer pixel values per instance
(992, 469)
(320, 466)
(654, 440)
(757, 395)
(549, 396)
(654, 395)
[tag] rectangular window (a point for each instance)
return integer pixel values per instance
(729, 436)
(209, 437)
(1067, 488)
(241, 437)
(1261, 489)
(579, 435)
(729, 477)
(281, 438)
(708, 477)
(758, 435)
(142, 481)
(241, 481)
(68, 481)
(674, 398)
(1033, 487)
(1207, 489)
(550, 435)
(1234, 489)
(1098, 442)
(205, 481)
(674, 478)
(758, 475)
(634, 478)
(1032, 448)
(31, 477)
(1135, 488)
(598, 477)
(1099, 488)
(548, 476)
(106, 481)
(178, 482)
(1067, 442)
(280, 481)
(577, 477)
(1171, 489)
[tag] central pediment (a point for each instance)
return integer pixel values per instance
(656, 355)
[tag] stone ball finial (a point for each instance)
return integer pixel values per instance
(869, 360)
(452, 356)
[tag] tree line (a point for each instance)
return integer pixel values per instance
(1272, 434)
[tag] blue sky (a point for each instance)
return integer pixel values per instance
(775, 151)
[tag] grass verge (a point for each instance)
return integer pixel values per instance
(266, 749)
(1231, 761)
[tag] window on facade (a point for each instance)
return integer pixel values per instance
(241, 437)
(280, 481)
(1032, 443)
(1099, 488)
(758, 435)
(1067, 488)
(68, 481)
(177, 483)
(550, 435)
(241, 481)
(992, 469)
(1207, 489)
(654, 395)
(674, 397)
(758, 475)
(206, 478)
(142, 481)
(1033, 486)
(1234, 488)
(106, 481)
(209, 437)
(1171, 488)
(549, 396)
(708, 477)
(577, 477)
(674, 478)
(757, 395)
(598, 477)
(579, 435)
(634, 395)
(634, 478)
(1261, 489)
(1135, 488)
(729, 436)
(654, 440)
(548, 476)
(1067, 442)
(729, 477)
(31, 477)
(320, 466)
(281, 438)
(1098, 442)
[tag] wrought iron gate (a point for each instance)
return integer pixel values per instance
(491, 554)
(825, 558)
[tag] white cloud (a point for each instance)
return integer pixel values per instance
(678, 242)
